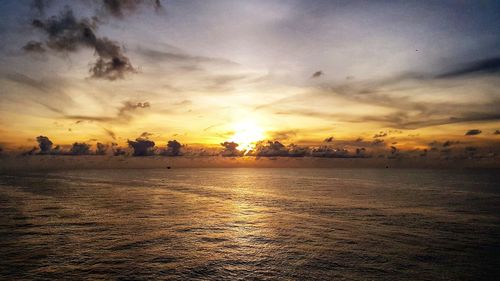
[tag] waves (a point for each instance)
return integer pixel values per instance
(247, 224)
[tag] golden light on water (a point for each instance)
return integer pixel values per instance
(247, 133)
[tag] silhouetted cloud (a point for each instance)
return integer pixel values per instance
(230, 149)
(317, 74)
(117, 150)
(329, 139)
(361, 152)
(270, 149)
(101, 149)
(173, 148)
(142, 147)
(80, 148)
(473, 132)
(497, 132)
(330, 152)
(45, 144)
(68, 34)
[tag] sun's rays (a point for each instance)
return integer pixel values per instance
(246, 134)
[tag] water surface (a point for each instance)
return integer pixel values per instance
(251, 224)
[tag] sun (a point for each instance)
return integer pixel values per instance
(246, 134)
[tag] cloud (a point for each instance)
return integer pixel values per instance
(450, 143)
(179, 57)
(173, 148)
(270, 149)
(145, 135)
(101, 149)
(403, 97)
(473, 132)
(486, 66)
(39, 5)
(380, 135)
(80, 148)
(230, 149)
(33, 46)
(125, 113)
(283, 135)
(53, 98)
(142, 147)
(329, 139)
(497, 132)
(117, 8)
(45, 144)
(109, 132)
(68, 34)
(317, 74)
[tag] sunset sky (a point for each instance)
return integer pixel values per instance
(204, 72)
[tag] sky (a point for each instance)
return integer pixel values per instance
(411, 73)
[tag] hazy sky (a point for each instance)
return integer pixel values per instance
(205, 71)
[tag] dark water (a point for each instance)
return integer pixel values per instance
(251, 224)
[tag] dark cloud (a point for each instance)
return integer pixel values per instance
(67, 34)
(173, 148)
(39, 5)
(80, 148)
(330, 152)
(45, 144)
(33, 46)
(497, 132)
(142, 147)
(473, 132)
(450, 143)
(380, 135)
(117, 151)
(118, 8)
(145, 135)
(101, 149)
(270, 149)
(361, 152)
(378, 142)
(317, 74)
(329, 139)
(29, 152)
(486, 66)
(230, 149)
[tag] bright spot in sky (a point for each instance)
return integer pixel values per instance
(247, 133)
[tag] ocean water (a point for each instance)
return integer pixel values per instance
(250, 224)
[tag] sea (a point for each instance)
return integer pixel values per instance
(250, 224)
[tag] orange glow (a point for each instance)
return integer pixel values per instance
(247, 134)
